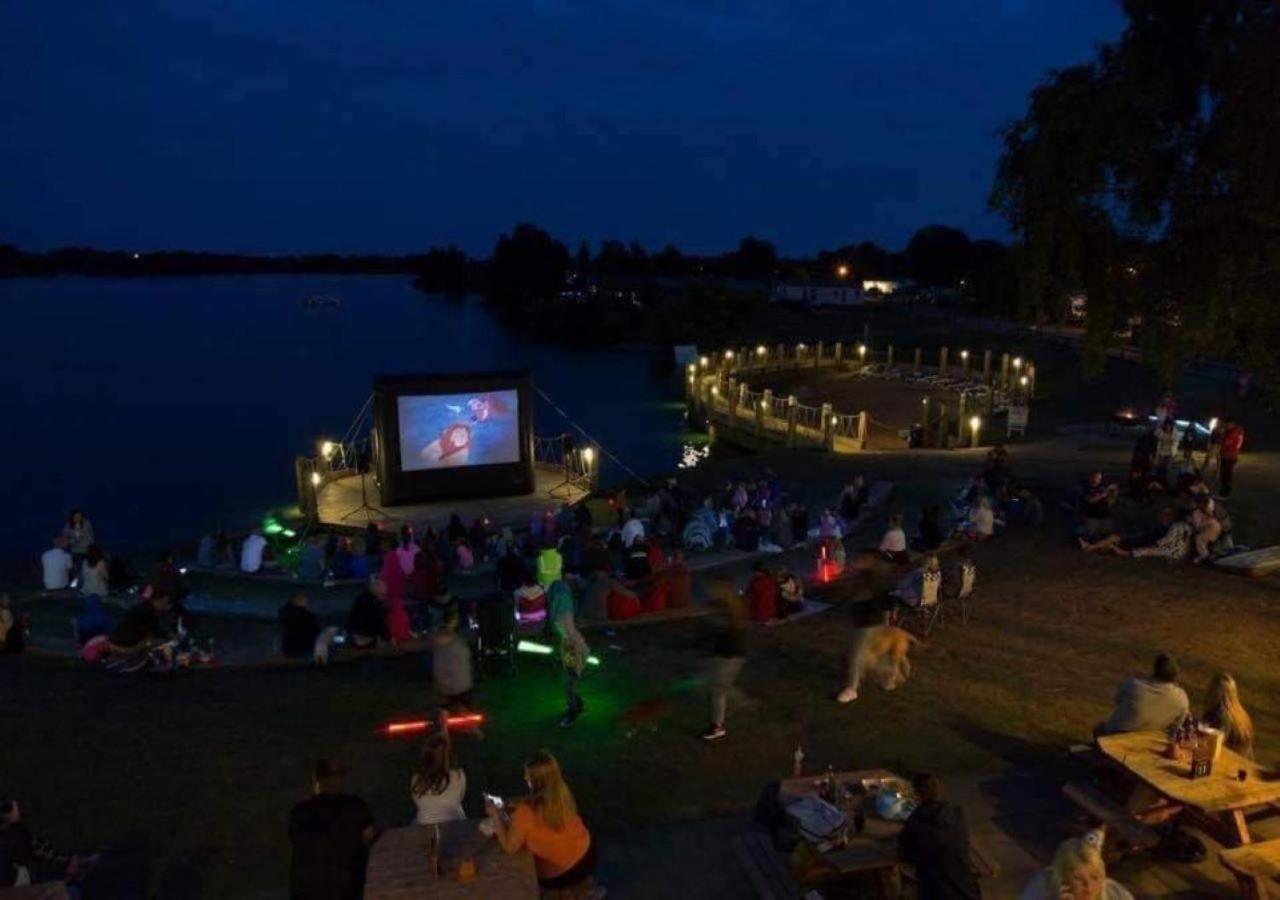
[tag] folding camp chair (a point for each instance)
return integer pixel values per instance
(968, 581)
(930, 611)
(496, 618)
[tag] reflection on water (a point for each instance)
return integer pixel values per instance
(168, 406)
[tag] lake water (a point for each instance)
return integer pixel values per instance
(167, 406)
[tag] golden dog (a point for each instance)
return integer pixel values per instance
(880, 650)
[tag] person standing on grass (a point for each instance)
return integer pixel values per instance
(331, 834)
(1229, 455)
(935, 839)
(727, 653)
(573, 648)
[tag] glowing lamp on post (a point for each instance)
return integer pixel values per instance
(327, 448)
(728, 354)
(1017, 363)
(835, 420)
(1024, 380)
(760, 351)
(588, 456)
(974, 425)
(862, 352)
(715, 391)
(842, 270)
(315, 479)
(704, 362)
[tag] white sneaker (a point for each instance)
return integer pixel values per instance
(848, 695)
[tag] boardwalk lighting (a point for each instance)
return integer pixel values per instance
(760, 351)
(862, 351)
(315, 479)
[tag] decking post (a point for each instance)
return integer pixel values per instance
(817, 355)
(838, 355)
(862, 430)
(964, 363)
(942, 425)
(960, 405)
(791, 420)
(942, 362)
(765, 409)
(1004, 370)
(732, 396)
(828, 429)
(917, 363)
(986, 365)
(888, 358)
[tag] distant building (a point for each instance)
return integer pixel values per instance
(842, 293)
(819, 294)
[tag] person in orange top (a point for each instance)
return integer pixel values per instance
(547, 823)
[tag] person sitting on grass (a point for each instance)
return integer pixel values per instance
(982, 521)
(1174, 546)
(91, 622)
(56, 564)
(438, 787)
(93, 572)
(1077, 873)
(253, 553)
(1224, 711)
(367, 621)
(893, 545)
(331, 833)
(547, 824)
(140, 626)
(762, 594)
(26, 859)
(451, 664)
(1149, 704)
(311, 559)
(1121, 545)
(935, 839)
(1206, 528)
(790, 594)
(852, 499)
(299, 628)
(1096, 502)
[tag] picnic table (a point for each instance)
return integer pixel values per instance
(398, 866)
(873, 850)
(1219, 800)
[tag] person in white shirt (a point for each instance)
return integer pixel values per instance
(894, 542)
(56, 565)
(437, 787)
(632, 531)
(982, 521)
(251, 553)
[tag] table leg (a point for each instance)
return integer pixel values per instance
(1238, 828)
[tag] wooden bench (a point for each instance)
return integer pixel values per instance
(1120, 822)
(1256, 866)
(764, 866)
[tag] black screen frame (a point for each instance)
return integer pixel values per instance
(398, 487)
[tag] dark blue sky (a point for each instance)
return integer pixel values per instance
(265, 125)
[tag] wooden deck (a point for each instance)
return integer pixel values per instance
(339, 504)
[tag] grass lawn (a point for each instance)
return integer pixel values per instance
(201, 770)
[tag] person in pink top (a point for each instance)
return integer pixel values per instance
(407, 550)
(392, 576)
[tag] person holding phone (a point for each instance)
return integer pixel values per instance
(548, 825)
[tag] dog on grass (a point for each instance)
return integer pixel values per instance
(878, 652)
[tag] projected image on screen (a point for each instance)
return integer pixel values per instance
(439, 431)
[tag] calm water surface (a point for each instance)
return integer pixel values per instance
(167, 406)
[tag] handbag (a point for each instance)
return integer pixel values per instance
(816, 819)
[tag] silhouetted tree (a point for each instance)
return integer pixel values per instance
(1168, 140)
(444, 270)
(938, 255)
(755, 259)
(527, 265)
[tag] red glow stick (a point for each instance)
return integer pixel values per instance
(417, 726)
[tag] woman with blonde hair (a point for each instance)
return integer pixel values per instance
(547, 823)
(1224, 711)
(1077, 873)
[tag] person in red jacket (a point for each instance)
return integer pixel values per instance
(1232, 443)
(762, 595)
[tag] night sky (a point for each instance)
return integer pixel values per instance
(313, 125)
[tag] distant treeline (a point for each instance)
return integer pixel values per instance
(122, 264)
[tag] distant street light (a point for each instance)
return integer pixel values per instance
(842, 270)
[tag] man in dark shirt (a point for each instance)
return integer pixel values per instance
(935, 839)
(299, 627)
(140, 624)
(510, 569)
(331, 834)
